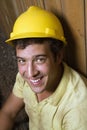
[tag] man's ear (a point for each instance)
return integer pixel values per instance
(60, 56)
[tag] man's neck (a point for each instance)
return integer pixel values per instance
(43, 95)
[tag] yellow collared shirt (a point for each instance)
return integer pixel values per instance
(65, 109)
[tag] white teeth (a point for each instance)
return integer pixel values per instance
(35, 81)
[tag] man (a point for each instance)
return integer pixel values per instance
(54, 95)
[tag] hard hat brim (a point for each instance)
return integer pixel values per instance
(34, 35)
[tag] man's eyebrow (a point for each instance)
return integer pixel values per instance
(41, 55)
(17, 57)
(36, 56)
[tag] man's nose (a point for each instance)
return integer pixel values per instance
(32, 70)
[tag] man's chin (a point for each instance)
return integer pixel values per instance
(37, 90)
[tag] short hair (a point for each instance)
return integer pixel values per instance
(55, 45)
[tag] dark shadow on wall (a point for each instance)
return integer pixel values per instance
(70, 50)
(8, 71)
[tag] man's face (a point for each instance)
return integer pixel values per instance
(37, 66)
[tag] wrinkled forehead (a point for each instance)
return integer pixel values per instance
(33, 50)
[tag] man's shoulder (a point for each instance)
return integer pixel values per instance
(19, 77)
(75, 76)
(19, 80)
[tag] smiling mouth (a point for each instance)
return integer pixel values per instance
(35, 81)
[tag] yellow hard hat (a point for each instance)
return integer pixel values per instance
(37, 23)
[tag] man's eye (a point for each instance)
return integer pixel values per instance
(40, 60)
(21, 61)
